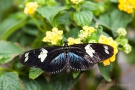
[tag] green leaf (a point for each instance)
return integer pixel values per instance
(105, 20)
(88, 5)
(49, 12)
(62, 81)
(35, 72)
(65, 18)
(72, 33)
(105, 71)
(14, 28)
(76, 74)
(30, 84)
(83, 18)
(115, 20)
(119, 19)
(7, 22)
(45, 85)
(10, 81)
(114, 1)
(37, 41)
(8, 51)
(31, 31)
(4, 5)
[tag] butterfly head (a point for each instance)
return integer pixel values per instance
(65, 43)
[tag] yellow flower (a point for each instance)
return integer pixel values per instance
(127, 5)
(106, 62)
(83, 34)
(76, 1)
(55, 30)
(30, 8)
(109, 41)
(53, 36)
(72, 41)
(77, 41)
(87, 31)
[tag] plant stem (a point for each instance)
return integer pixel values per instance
(38, 26)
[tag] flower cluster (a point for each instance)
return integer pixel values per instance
(86, 32)
(53, 36)
(122, 31)
(109, 41)
(76, 1)
(127, 5)
(122, 41)
(73, 41)
(127, 48)
(30, 8)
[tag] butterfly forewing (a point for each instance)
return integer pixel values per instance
(96, 51)
(30, 58)
(49, 59)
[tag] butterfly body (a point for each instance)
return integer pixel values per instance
(78, 57)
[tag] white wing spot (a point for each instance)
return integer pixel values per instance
(89, 50)
(43, 54)
(26, 57)
(106, 49)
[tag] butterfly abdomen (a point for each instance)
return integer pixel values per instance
(67, 64)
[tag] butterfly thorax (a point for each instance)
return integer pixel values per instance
(66, 48)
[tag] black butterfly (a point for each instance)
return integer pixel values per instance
(79, 57)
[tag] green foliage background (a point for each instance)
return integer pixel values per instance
(19, 33)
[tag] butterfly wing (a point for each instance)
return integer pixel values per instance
(103, 51)
(84, 56)
(49, 59)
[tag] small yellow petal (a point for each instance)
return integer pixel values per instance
(30, 8)
(106, 62)
(55, 29)
(85, 28)
(46, 39)
(77, 41)
(91, 29)
(112, 59)
(53, 36)
(76, 1)
(70, 40)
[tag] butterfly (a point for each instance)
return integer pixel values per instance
(78, 57)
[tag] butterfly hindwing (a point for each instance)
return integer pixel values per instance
(54, 65)
(49, 59)
(80, 60)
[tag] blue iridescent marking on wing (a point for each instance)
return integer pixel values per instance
(75, 57)
(56, 65)
(78, 63)
(59, 59)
